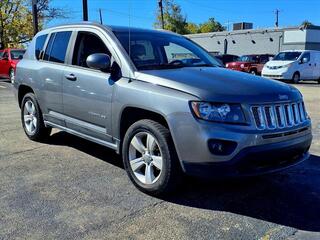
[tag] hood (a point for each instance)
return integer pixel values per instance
(221, 85)
(278, 63)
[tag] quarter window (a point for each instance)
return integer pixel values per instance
(39, 45)
(57, 47)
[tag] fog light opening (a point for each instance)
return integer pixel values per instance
(221, 147)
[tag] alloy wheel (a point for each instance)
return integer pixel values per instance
(145, 158)
(30, 117)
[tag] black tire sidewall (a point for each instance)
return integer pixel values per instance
(31, 96)
(293, 77)
(161, 184)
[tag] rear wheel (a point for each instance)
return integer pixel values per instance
(296, 77)
(32, 120)
(11, 75)
(150, 159)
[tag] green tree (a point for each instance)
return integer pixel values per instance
(306, 23)
(192, 28)
(173, 18)
(211, 26)
(16, 20)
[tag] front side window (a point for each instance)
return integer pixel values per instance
(249, 58)
(162, 51)
(307, 56)
(86, 44)
(287, 56)
(57, 47)
(17, 54)
(39, 45)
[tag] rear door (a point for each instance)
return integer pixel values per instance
(87, 92)
(51, 72)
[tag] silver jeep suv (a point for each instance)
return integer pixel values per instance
(161, 101)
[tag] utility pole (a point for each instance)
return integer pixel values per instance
(277, 18)
(100, 14)
(85, 10)
(161, 11)
(35, 17)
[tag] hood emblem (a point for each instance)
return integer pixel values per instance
(283, 97)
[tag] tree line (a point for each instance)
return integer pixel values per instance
(16, 26)
(175, 21)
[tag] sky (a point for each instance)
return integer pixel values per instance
(142, 12)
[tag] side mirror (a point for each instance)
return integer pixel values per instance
(304, 60)
(99, 61)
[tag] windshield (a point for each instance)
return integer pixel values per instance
(163, 51)
(17, 54)
(287, 56)
(248, 58)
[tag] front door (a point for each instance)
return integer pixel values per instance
(5, 64)
(306, 68)
(87, 92)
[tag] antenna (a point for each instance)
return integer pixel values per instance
(130, 32)
(100, 14)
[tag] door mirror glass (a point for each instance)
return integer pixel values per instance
(304, 60)
(99, 61)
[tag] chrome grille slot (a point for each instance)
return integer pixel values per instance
(278, 115)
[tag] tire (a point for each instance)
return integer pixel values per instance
(253, 72)
(163, 177)
(296, 77)
(11, 75)
(32, 121)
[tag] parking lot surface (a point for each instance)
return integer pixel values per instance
(70, 188)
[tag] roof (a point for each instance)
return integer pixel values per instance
(112, 28)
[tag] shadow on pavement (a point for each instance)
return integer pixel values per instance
(290, 198)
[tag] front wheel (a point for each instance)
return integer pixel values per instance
(150, 159)
(253, 72)
(11, 75)
(32, 120)
(296, 78)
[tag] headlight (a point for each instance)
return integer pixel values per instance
(242, 65)
(218, 112)
(227, 65)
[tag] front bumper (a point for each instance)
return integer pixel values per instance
(256, 151)
(280, 74)
(255, 160)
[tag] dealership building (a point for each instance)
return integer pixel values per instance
(259, 41)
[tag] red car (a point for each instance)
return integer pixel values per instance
(8, 61)
(250, 63)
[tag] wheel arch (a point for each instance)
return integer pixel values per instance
(22, 91)
(131, 114)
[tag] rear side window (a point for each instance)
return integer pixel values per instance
(57, 47)
(39, 45)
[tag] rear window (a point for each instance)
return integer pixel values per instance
(17, 54)
(39, 45)
(57, 47)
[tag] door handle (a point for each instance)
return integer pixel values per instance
(71, 77)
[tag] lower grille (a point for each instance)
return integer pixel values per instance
(279, 115)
